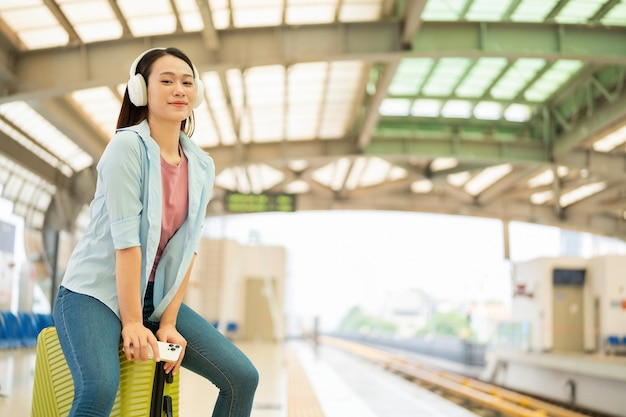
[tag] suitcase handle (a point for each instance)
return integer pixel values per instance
(167, 406)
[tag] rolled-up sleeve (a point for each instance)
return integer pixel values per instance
(120, 171)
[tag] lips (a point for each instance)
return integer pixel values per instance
(178, 103)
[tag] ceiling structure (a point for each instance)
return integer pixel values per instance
(511, 109)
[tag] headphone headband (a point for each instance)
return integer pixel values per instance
(137, 89)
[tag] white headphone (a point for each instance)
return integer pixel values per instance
(138, 92)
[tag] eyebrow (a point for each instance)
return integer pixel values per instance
(171, 73)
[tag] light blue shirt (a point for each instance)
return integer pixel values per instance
(126, 212)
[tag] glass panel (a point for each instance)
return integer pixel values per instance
(410, 76)
(457, 108)
(616, 16)
(488, 110)
(579, 11)
(486, 178)
(395, 107)
(517, 113)
(552, 79)
(343, 86)
(360, 11)
(189, 15)
(443, 10)
(426, 108)
(446, 74)
(101, 105)
(216, 102)
(487, 10)
(516, 77)
(480, 77)
(533, 10)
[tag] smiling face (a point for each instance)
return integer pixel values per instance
(171, 90)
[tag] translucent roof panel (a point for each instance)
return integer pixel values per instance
(610, 141)
(265, 105)
(533, 10)
(517, 113)
(395, 107)
(445, 75)
(579, 11)
(254, 178)
(48, 136)
(457, 109)
(410, 76)
(205, 133)
(487, 10)
(517, 77)
(557, 75)
(217, 104)
(488, 110)
(101, 105)
(33, 23)
(480, 77)
(426, 107)
(366, 172)
(342, 88)
(93, 20)
(581, 193)
(157, 19)
(486, 178)
(305, 94)
(189, 15)
(616, 16)
(444, 10)
(256, 13)
(30, 194)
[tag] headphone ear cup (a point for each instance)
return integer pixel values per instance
(137, 90)
(199, 93)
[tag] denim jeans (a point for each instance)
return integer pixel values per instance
(89, 333)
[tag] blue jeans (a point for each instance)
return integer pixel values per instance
(89, 333)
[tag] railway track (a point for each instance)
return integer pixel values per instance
(480, 397)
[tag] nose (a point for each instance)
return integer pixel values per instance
(179, 89)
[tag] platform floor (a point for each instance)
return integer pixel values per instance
(297, 379)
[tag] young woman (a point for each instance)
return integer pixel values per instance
(127, 276)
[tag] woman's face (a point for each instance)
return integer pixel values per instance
(171, 89)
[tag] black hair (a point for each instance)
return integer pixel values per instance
(129, 113)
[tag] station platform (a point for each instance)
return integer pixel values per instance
(297, 379)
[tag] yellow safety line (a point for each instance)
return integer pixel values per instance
(301, 399)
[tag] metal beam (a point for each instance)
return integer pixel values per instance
(412, 19)
(73, 125)
(590, 127)
(27, 159)
(106, 63)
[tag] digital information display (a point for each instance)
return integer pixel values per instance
(259, 203)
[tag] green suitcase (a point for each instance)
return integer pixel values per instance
(143, 389)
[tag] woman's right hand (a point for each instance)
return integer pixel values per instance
(136, 338)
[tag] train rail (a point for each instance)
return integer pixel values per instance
(480, 397)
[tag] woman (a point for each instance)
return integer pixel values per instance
(127, 275)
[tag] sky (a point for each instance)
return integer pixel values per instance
(340, 259)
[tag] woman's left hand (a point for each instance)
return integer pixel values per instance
(169, 334)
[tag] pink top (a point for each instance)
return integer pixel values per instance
(175, 202)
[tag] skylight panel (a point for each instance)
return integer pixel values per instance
(220, 12)
(426, 107)
(546, 177)
(446, 74)
(422, 186)
(144, 21)
(552, 79)
(218, 105)
(205, 133)
(265, 93)
(189, 15)
(332, 175)
(247, 13)
(93, 20)
(343, 86)
(533, 10)
(360, 10)
(443, 163)
(24, 117)
(410, 76)
(580, 193)
(517, 113)
(616, 16)
(516, 77)
(611, 141)
(395, 107)
(263, 177)
(101, 105)
(541, 197)
(459, 178)
(457, 109)
(487, 10)
(298, 13)
(448, 10)
(579, 11)
(488, 110)
(34, 24)
(305, 89)
(486, 178)
(480, 77)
